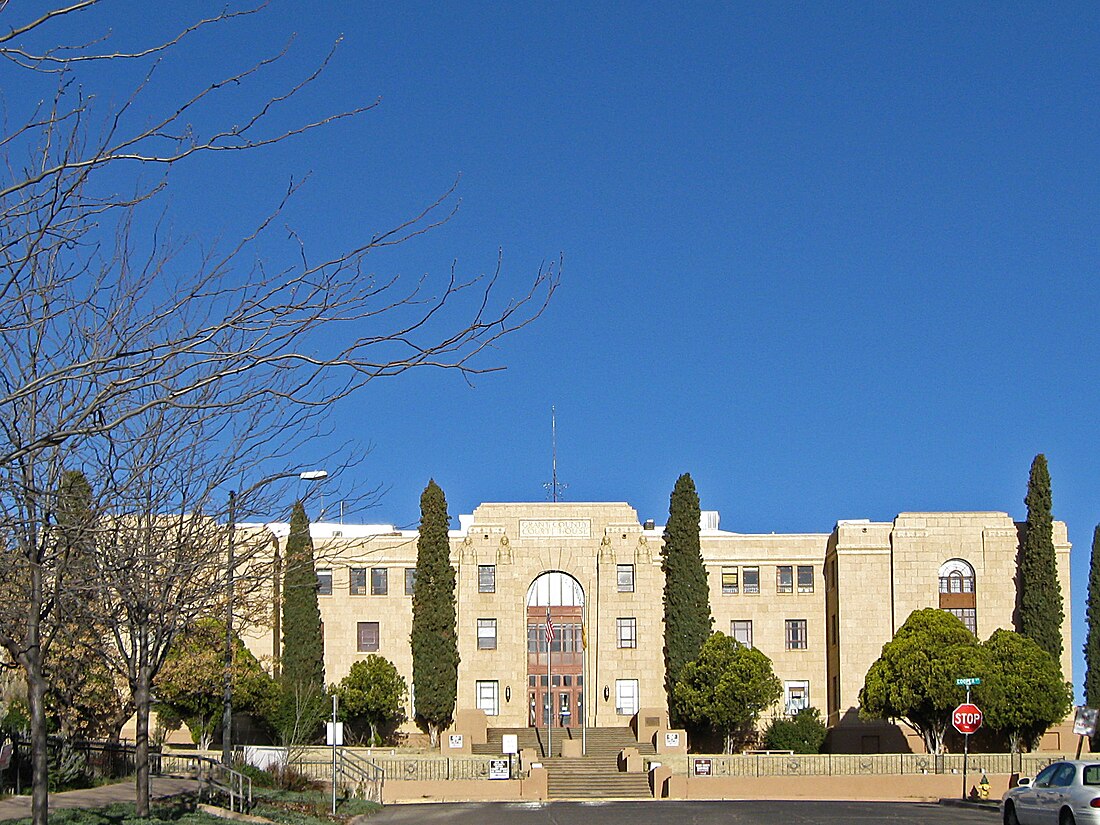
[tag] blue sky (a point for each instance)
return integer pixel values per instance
(835, 260)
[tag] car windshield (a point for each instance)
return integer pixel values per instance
(1091, 775)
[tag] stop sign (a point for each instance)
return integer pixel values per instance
(966, 718)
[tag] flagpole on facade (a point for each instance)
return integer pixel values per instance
(584, 680)
(549, 685)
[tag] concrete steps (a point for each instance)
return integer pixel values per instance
(593, 776)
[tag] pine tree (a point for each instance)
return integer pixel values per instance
(302, 680)
(1092, 637)
(687, 596)
(1040, 594)
(434, 641)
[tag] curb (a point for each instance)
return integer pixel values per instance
(992, 807)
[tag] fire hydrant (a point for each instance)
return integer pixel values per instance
(983, 787)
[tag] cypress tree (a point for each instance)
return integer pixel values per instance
(687, 596)
(1092, 637)
(1040, 594)
(303, 664)
(434, 640)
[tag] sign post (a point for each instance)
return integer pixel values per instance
(966, 718)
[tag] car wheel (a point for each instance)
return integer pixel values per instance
(1010, 814)
(1066, 818)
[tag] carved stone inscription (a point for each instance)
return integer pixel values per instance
(561, 528)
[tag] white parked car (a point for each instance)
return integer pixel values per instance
(1064, 793)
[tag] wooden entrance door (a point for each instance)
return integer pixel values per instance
(558, 695)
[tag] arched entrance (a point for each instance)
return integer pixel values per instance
(555, 673)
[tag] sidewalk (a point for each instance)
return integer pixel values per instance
(19, 807)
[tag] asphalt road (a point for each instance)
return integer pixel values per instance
(688, 813)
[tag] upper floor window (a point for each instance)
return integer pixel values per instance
(324, 582)
(741, 631)
(379, 581)
(486, 578)
(486, 634)
(366, 636)
(750, 579)
(805, 578)
(956, 576)
(729, 580)
(357, 581)
(627, 632)
(784, 579)
(410, 580)
(796, 634)
(625, 577)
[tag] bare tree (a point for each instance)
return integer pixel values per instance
(121, 343)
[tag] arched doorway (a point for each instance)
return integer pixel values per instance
(555, 672)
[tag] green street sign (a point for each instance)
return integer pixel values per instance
(968, 682)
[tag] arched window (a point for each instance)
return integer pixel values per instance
(957, 589)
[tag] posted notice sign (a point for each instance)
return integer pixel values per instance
(966, 718)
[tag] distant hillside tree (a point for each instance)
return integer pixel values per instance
(914, 678)
(1092, 635)
(686, 596)
(1040, 593)
(726, 688)
(302, 665)
(434, 640)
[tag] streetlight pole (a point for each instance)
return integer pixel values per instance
(231, 562)
(227, 710)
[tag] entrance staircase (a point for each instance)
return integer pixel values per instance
(593, 776)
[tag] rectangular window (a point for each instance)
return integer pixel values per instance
(750, 579)
(379, 581)
(805, 578)
(486, 634)
(486, 578)
(784, 579)
(357, 581)
(627, 632)
(410, 580)
(625, 577)
(741, 631)
(796, 634)
(488, 697)
(324, 582)
(626, 697)
(968, 615)
(796, 696)
(729, 580)
(367, 637)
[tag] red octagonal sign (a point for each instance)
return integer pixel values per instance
(966, 718)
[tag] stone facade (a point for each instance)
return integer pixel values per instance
(819, 605)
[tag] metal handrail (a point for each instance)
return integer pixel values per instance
(363, 772)
(232, 783)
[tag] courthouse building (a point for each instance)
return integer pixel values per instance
(820, 605)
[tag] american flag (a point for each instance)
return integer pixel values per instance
(549, 628)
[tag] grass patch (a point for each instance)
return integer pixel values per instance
(286, 807)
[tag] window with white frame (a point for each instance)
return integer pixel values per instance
(626, 697)
(741, 631)
(627, 632)
(796, 696)
(324, 582)
(750, 579)
(624, 574)
(488, 697)
(486, 578)
(729, 581)
(486, 634)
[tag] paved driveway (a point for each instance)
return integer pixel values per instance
(690, 813)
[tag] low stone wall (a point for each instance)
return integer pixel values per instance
(850, 788)
(877, 764)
